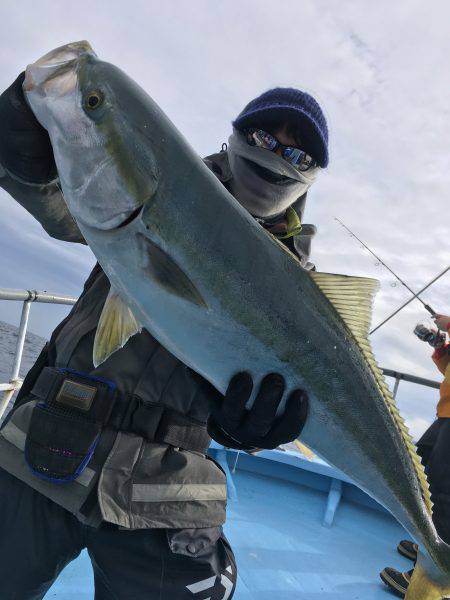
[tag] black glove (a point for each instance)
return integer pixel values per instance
(233, 425)
(25, 148)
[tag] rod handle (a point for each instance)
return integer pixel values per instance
(430, 310)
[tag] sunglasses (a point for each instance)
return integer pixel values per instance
(294, 156)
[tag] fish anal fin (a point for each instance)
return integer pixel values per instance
(115, 327)
(305, 450)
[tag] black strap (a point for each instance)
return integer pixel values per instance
(128, 413)
(178, 430)
(79, 394)
(158, 423)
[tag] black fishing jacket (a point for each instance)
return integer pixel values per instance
(150, 467)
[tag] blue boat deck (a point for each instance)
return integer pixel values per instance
(283, 551)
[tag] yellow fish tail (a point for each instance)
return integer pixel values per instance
(424, 587)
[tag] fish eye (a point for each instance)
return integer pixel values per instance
(93, 100)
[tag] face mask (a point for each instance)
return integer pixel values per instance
(263, 182)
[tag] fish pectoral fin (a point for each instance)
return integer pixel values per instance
(164, 271)
(423, 587)
(115, 327)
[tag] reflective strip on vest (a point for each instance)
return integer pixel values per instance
(178, 492)
(17, 438)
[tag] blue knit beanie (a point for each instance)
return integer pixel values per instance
(300, 107)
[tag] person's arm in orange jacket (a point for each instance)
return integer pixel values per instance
(441, 355)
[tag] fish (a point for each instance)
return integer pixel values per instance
(186, 261)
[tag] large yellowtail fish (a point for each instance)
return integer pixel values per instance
(186, 261)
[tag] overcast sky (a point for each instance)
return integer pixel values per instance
(380, 71)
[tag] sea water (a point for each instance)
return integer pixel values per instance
(8, 341)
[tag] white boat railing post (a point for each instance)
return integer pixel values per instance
(7, 395)
(27, 297)
(15, 380)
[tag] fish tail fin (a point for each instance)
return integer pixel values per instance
(424, 586)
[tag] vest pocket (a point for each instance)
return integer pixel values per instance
(150, 485)
(59, 447)
(193, 542)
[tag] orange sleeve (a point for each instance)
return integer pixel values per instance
(443, 407)
(441, 358)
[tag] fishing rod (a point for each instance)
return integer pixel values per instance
(381, 261)
(411, 299)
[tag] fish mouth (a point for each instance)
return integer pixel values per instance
(53, 70)
(64, 54)
(113, 222)
(134, 215)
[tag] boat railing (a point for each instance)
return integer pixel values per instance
(337, 479)
(398, 376)
(27, 297)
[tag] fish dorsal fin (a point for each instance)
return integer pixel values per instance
(352, 297)
(115, 327)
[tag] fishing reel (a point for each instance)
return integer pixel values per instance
(435, 338)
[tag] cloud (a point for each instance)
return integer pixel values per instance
(417, 427)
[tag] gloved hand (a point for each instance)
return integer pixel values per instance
(436, 339)
(442, 322)
(25, 148)
(233, 425)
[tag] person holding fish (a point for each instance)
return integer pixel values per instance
(434, 449)
(105, 449)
